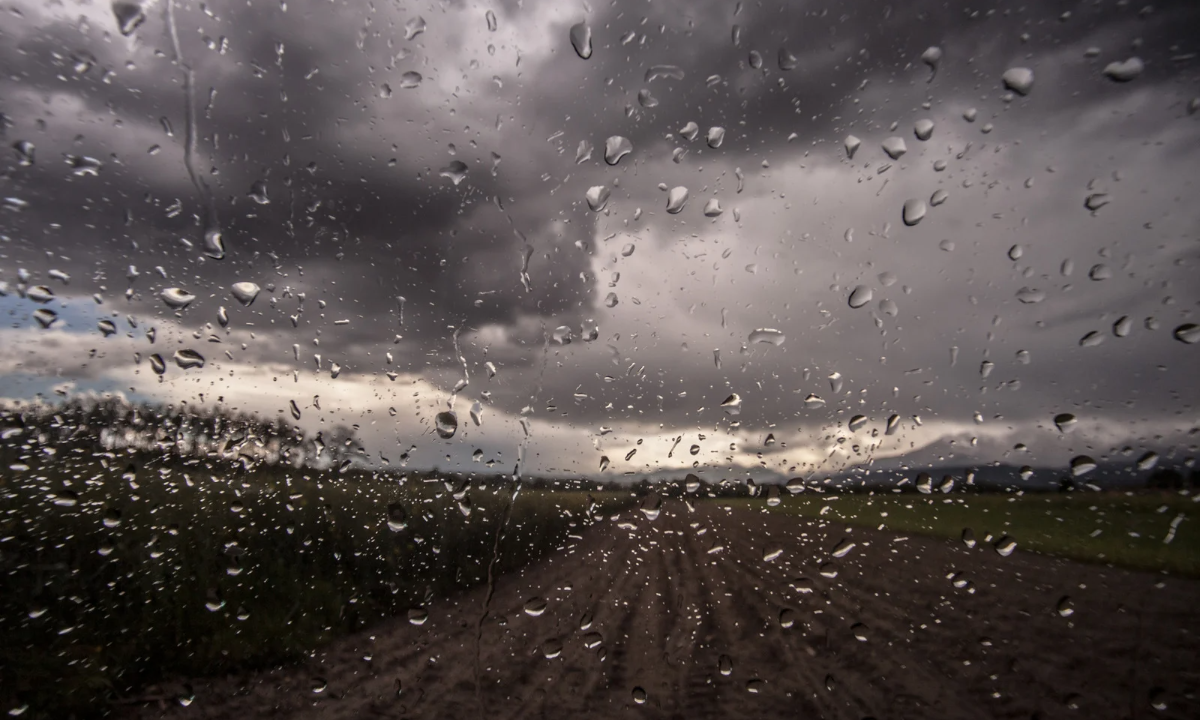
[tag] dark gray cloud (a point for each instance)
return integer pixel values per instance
(309, 105)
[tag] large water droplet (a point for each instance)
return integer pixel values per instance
(931, 57)
(455, 171)
(1123, 326)
(40, 294)
(446, 424)
(639, 696)
(535, 607)
(244, 292)
(581, 39)
(787, 61)
(860, 296)
(732, 404)
(597, 197)
(1124, 70)
(188, 358)
(615, 148)
(712, 208)
(491, 20)
(1065, 422)
(669, 72)
(414, 27)
(1018, 79)
(1030, 296)
(676, 199)
(857, 422)
(716, 136)
(397, 517)
(894, 147)
(129, 15)
(1082, 465)
(769, 336)
(913, 212)
(410, 79)
(176, 298)
(107, 327)
(1187, 333)
(852, 145)
(938, 197)
(157, 364)
(1095, 201)
(25, 152)
(1065, 607)
(1005, 546)
(923, 129)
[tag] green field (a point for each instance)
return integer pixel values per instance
(118, 572)
(1122, 529)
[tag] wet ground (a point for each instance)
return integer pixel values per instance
(685, 617)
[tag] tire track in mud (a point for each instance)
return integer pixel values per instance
(663, 610)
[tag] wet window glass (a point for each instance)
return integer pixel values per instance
(518, 358)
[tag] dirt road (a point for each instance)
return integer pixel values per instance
(895, 634)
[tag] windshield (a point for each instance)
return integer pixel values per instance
(676, 359)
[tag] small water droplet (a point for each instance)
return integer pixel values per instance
(787, 618)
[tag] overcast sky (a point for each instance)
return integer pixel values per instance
(367, 247)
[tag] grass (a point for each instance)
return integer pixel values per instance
(111, 581)
(1123, 529)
